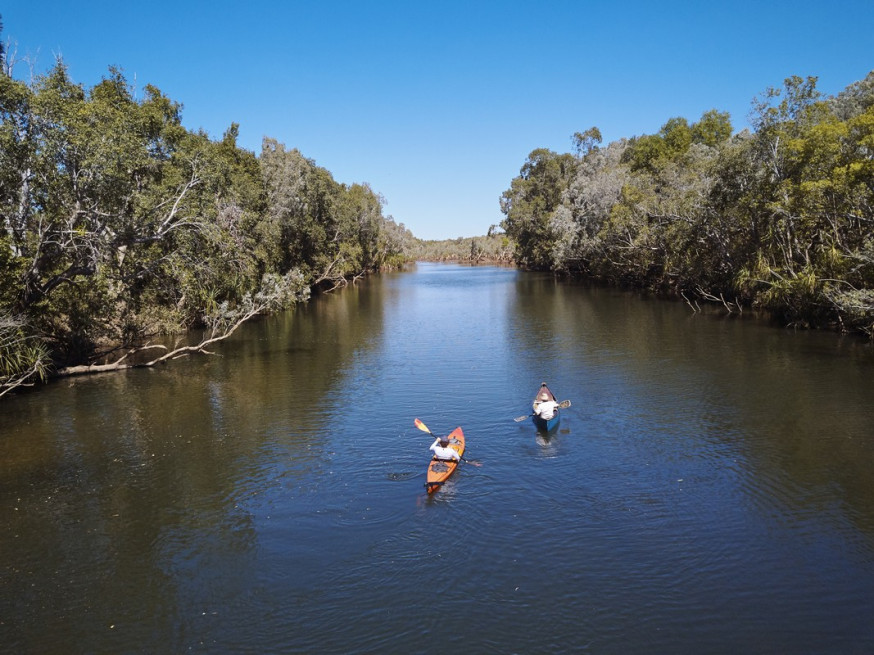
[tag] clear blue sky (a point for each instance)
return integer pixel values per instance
(437, 104)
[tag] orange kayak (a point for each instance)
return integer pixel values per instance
(439, 470)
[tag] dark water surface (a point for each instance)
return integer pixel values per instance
(711, 490)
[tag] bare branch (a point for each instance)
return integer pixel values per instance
(709, 296)
(695, 308)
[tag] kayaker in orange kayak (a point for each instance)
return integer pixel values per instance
(442, 451)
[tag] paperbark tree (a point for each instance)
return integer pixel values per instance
(119, 223)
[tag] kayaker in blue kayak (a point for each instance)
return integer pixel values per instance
(441, 450)
(545, 408)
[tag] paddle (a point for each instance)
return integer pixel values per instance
(564, 404)
(424, 428)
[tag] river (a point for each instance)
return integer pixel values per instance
(709, 490)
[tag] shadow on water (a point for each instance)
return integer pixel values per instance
(130, 497)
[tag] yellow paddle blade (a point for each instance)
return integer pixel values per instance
(422, 426)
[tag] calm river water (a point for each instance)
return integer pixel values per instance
(711, 489)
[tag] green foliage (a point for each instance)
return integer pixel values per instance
(330, 231)
(647, 152)
(586, 142)
(531, 202)
(120, 224)
(652, 152)
(713, 129)
(23, 358)
(677, 136)
(856, 99)
(495, 248)
(275, 292)
(779, 218)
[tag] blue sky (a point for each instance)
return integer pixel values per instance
(436, 105)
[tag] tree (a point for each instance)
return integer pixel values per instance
(712, 129)
(530, 202)
(677, 136)
(586, 142)
(331, 231)
(591, 195)
(119, 223)
(276, 292)
(779, 217)
(856, 99)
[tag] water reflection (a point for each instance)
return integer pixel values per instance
(146, 486)
(708, 489)
(710, 386)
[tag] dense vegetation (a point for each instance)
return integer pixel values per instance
(493, 248)
(779, 217)
(121, 225)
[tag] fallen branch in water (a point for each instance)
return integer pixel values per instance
(175, 353)
(275, 293)
(695, 308)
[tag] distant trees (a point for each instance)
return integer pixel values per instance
(494, 248)
(330, 231)
(779, 218)
(120, 225)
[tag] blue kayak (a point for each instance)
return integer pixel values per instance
(542, 423)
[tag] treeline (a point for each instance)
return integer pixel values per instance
(120, 225)
(493, 248)
(780, 217)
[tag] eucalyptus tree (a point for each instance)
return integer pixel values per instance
(395, 244)
(780, 217)
(586, 142)
(300, 212)
(333, 232)
(586, 208)
(809, 209)
(76, 176)
(119, 224)
(24, 358)
(712, 129)
(530, 203)
(855, 100)
(655, 231)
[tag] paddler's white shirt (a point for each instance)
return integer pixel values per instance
(546, 409)
(443, 453)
